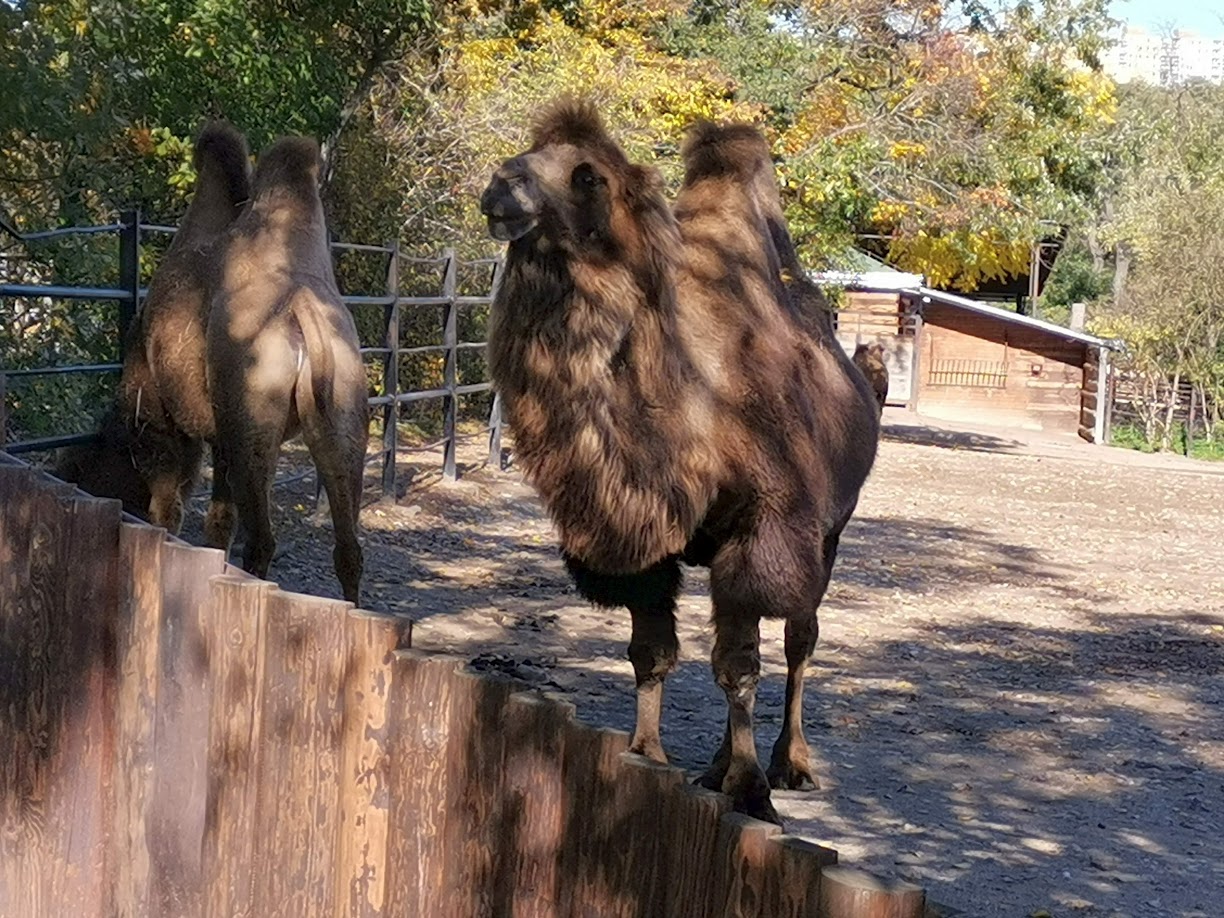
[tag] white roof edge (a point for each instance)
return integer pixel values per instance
(1007, 315)
(870, 280)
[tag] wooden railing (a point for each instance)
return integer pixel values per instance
(181, 739)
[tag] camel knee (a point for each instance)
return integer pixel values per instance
(166, 510)
(737, 669)
(653, 658)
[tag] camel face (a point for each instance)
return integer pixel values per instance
(565, 191)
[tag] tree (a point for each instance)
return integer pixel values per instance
(953, 136)
(1167, 205)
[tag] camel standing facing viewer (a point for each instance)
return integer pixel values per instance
(670, 403)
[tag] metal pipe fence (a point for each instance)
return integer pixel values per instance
(129, 295)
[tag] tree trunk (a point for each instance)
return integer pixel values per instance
(1122, 260)
(1166, 436)
(1097, 250)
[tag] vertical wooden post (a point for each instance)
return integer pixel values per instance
(450, 369)
(360, 878)
(391, 341)
(129, 274)
(495, 412)
(1111, 389)
(235, 645)
(137, 637)
(1104, 398)
(916, 360)
(298, 759)
(3, 406)
(184, 681)
(1190, 422)
(495, 432)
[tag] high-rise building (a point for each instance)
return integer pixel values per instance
(1164, 60)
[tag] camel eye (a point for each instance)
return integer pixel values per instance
(586, 178)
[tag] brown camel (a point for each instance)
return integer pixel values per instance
(152, 440)
(672, 403)
(869, 358)
(283, 357)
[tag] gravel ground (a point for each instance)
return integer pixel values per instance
(1016, 699)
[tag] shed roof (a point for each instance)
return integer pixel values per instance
(1006, 315)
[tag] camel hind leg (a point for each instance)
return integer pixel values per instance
(336, 437)
(251, 460)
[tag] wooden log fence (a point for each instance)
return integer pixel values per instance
(181, 739)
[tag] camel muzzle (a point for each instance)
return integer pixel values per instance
(509, 202)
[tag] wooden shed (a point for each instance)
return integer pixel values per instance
(957, 359)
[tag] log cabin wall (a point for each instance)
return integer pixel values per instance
(982, 369)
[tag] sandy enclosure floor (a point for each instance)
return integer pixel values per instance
(1017, 695)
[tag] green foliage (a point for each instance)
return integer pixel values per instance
(953, 132)
(1075, 278)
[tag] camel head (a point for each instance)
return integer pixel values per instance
(573, 186)
(105, 467)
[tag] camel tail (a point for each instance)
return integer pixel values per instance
(318, 387)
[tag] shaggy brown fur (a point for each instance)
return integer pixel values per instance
(869, 358)
(283, 357)
(163, 392)
(671, 402)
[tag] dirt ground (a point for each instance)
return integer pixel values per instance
(1017, 696)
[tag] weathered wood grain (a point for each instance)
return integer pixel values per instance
(534, 786)
(795, 889)
(298, 760)
(745, 864)
(479, 868)
(137, 635)
(846, 893)
(421, 696)
(235, 635)
(176, 814)
(692, 816)
(594, 855)
(365, 796)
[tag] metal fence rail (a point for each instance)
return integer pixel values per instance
(129, 295)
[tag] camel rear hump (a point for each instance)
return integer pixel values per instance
(289, 164)
(714, 150)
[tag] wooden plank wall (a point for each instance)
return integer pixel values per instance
(1044, 373)
(181, 740)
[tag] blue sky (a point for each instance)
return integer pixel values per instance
(1206, 16)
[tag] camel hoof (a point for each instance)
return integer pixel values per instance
(652, 750)
(757, 807)
(749, 793)
(792, 777)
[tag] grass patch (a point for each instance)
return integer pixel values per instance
(1130, 436)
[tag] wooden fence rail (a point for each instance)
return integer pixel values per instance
(181, 739)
